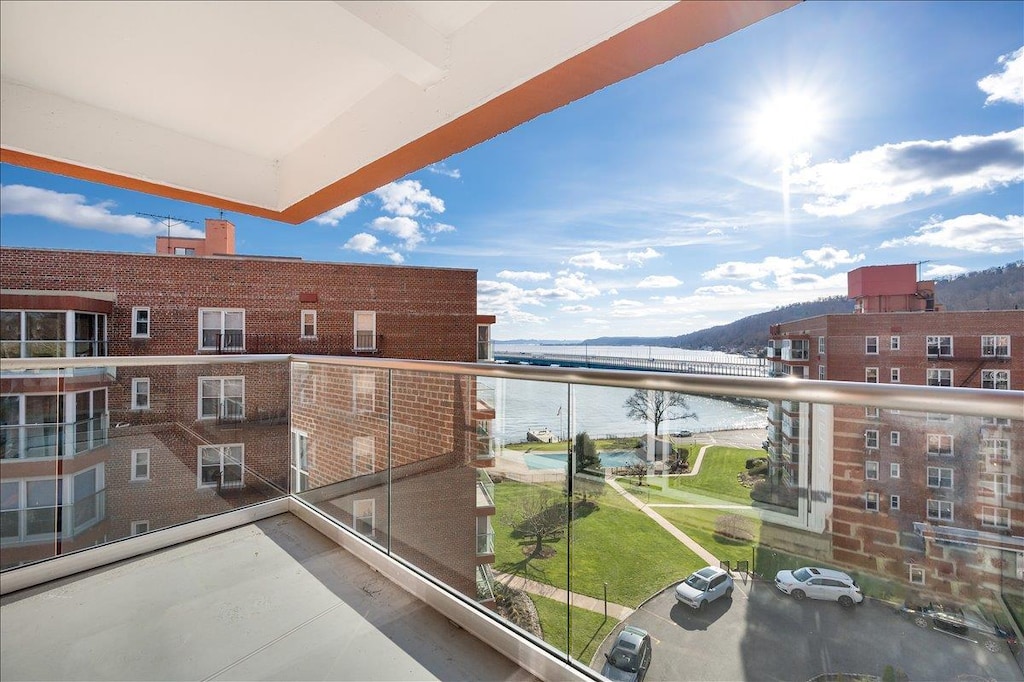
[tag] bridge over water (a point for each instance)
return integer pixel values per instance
(741, 367)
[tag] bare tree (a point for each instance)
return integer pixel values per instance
(657, 407)
(639, 470)
(541, 514)
(588, 479)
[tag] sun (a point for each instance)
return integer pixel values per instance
(787, 123)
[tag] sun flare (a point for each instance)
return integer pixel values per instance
(787, 123)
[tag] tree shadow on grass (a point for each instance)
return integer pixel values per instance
(589, 642)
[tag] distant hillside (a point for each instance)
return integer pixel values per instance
(1000, 288)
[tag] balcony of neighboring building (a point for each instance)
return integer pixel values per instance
(44, 330)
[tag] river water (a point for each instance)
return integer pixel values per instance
(600, 410)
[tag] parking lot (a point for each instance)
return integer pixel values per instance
(761, 634)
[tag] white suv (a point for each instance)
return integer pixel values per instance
(819, 583)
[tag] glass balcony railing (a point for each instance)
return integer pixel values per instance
(389, 450)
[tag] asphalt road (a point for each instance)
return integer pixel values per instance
(761, 634)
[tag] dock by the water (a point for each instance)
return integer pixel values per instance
(741, 367)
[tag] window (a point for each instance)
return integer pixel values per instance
(871, 438)
(871, 375)
(221, 329)
(222, 398)
(996, 448)
(184, 251)
(894, 343)
(938, 417)
(894, 470)
(363, 516)
(940, 477)
(821, 345)
(365, 330)
(997, 517)
(894, 375)
(939, 346)
(871, 501)
(364, 391)
(940, 377)
(995, 346)
(916, 575)
(308, 324)
(300, 461)
(362, 455)
(940, 444)
(995, 421)
(140, 323)
(894, 438)
(871, 345)
(994, 484)
(894, 502)
(140, 394)
(871, 413)
(140, 527)
(821, 372)
(870, 471)
(484, 349)
(940, 510)
(140, 465)
(29, 509)
(995, 378)
(221, 466)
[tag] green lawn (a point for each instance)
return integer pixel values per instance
(616, 544)
(716, 479)
(699, 524)
(588, 628)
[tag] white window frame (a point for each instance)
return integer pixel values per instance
(871, 345)
(894, 469)
(359, 317)
(939, 376)
(821, 345)
(821, 373)
(894, 438)
(307, 328)
(940, 477)
(942, 345)
(939, 440)
(137, 384)
(223, 312)
(871, 413)
(998, 379)
(871, 375)
(364, 391)
(915, 574)
(221, 399)
(136, 313)
(894, 375)
(141, 457)
(894, 343)
(940, 510)
(894, 502)
(300, 460)
(140, 527)
(995, 517)
(938, 417)
(997, 449)
(871, 439)
(871, 502)
(363, 449)
(995, 346)
(363, 509)
(225, 451)
(871, 470)
(995, 484)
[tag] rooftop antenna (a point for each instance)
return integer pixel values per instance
(919, 271)
(169, 220)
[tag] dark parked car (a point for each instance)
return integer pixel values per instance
(966, 622)
(630, 658)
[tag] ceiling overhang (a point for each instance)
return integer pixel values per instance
(286, 110)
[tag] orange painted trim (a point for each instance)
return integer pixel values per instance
(676, 30)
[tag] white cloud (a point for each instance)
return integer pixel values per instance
(437, 228)
(576, 309)
(73, 210)
(629, 308)
(406, 229)
(594, 260)
(570, 287)
(770, 266)
(829, 257)
(640, 257)
(715, 232)
(524, 275)
(367, 243)
(977, 233)
(720, 290)
(658, 282)
(442, 169)
(334, 216)
(1008, 84)
(936, 271)
(408, 198)
(506, 300)
(895, 173)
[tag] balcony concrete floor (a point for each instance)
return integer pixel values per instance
(274, 600)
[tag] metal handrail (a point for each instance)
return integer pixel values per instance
(952, 400)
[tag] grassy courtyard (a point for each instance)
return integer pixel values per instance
(587, 631)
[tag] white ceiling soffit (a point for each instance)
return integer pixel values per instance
(287, 109)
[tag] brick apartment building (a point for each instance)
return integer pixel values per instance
(97, 455)
(933, 500)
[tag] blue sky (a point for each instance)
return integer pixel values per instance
(751, 173)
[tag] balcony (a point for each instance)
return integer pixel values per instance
(390, 499)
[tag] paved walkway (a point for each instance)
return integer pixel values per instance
(518, 582)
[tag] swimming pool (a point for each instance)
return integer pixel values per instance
(618, 458)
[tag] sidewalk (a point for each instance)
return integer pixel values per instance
(616, 611)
